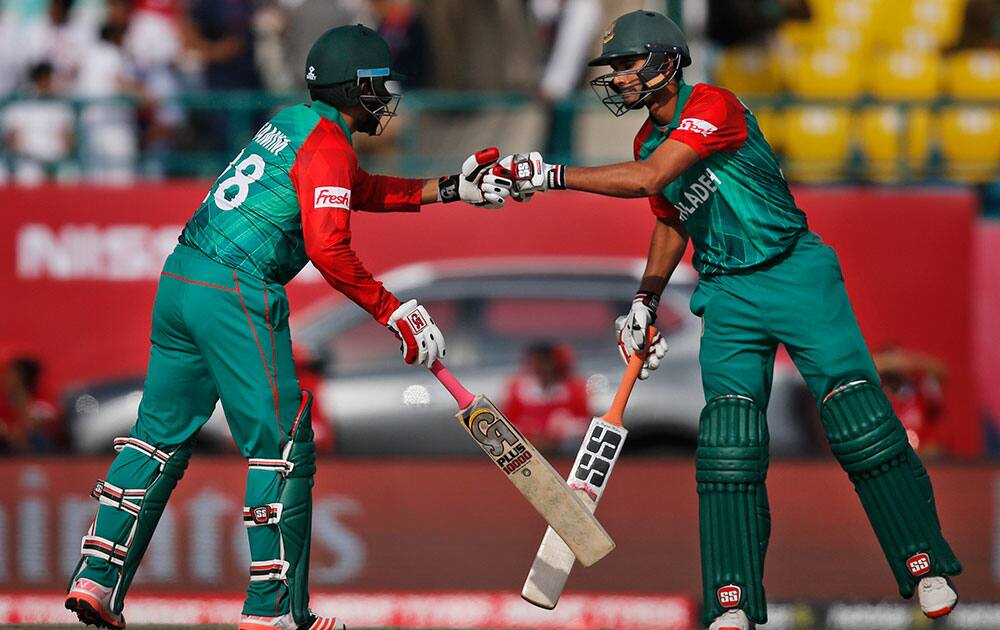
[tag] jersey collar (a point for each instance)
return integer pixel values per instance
(330, 112)
(682, 96)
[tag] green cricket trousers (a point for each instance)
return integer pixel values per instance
(217, 333)
(798, 300)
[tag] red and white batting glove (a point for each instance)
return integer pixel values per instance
(477, 183)
(530, 174)
(633, 329)
(421, 340)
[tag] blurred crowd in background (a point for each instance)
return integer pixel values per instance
(110, 91)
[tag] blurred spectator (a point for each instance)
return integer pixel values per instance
(403, 28)
(38, 130)
(153, 48)
(546, 400)
(913, 383)
(286, 29)
(59, 38)
(218, 34)
(218, 39)
(269, 25)
(461, 60)
(742, 23)
(153, 39)
(569, 29)
(29, 421)
(10, 53)
(109, 143)
(980, 26)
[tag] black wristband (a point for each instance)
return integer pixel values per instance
(448, 188)
(648, 299)
(557, 177)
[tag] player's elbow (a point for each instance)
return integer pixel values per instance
(647, 184)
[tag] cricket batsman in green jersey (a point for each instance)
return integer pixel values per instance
(220, 331)
(765, 279)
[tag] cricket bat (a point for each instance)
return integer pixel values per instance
(533, 476)
(589, 476)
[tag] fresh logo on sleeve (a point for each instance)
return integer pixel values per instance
(332, 197)
(697, 125)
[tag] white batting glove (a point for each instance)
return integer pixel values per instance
(633, 328)
(530, 174)
(477, 184)
(421, 340)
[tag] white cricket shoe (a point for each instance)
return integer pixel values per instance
(937, 597)
(92, 604)
(731, 620)
(286, 622)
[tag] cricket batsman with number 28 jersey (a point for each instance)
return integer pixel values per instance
(765, 279)
(220, 331)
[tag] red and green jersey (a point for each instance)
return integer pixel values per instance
(734, 202)
(287, 198)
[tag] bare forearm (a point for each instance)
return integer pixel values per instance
(641, 178)
(666, 248)
(627, 179)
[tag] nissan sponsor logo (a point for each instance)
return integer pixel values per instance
(118, 252)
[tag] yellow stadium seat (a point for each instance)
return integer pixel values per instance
(895, 142)
(816, 143)
(918, 24)
(973, 74)
(970, 143)
(905, 75)
(842, 38)
(748, 71)
(943, 17)
(796, 35)
(825, 74)
(911, 37)
(771, 124)
(853, 13)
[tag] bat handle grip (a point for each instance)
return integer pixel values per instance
(617, 410)
(461, 395)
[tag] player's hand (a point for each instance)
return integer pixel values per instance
(530, 174)
(420, 339)
(477, 183)
(633, 329)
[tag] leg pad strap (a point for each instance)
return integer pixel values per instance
(278, 516)
(265, 570)
(97, 547)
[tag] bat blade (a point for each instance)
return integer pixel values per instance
(543, 487)
(589, 476)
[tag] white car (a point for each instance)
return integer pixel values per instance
(490, 310)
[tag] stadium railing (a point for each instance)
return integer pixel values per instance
(864, 140)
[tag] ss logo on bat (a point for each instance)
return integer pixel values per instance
(601, 449)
